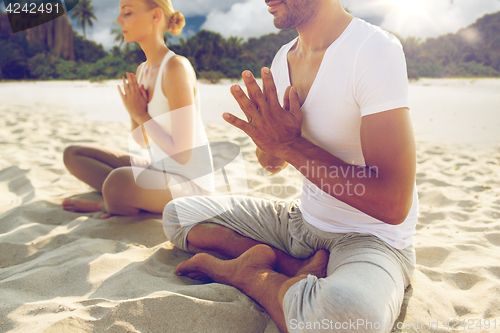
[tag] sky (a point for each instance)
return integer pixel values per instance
(250, 18)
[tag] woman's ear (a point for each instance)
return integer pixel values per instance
(157, 15)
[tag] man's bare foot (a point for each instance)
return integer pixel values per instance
(291, 267)
(238, 272)
(251, 272)
(315, 265)
(223, 242)
(82, 205)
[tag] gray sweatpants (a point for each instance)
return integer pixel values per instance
(366, 278)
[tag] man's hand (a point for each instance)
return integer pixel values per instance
(135, 98)
(270, 126)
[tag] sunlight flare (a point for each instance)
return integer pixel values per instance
(407, 7)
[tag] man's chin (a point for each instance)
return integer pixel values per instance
(279, 24)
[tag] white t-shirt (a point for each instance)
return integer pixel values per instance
(363, 72)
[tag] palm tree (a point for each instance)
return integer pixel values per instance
(85, 14)
(117, 30)
(167, 36)
(411, 47)
(234, 47)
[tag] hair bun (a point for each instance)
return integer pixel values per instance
(177, 22)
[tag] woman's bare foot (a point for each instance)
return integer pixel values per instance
(82, 205)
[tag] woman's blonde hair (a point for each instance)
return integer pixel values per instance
(175, 20)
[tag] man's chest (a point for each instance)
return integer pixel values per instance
(331, 116)
(303, 72)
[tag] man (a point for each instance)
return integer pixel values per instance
(341, 257)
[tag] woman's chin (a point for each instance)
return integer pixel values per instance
(127, 39)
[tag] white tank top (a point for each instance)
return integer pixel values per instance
(199, 169)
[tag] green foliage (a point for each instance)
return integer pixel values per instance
(117, 30)
(469, 69)
(43, 66)
(133, 54)
(471, 52)
(13, 62)
(418, 69)
(206, 48)
(15, 52)
(48, 66)
(16, 69)
(109, 68)
(212, 76)
(67, 70)
(116, 52)
(86, 50)
(212, 55)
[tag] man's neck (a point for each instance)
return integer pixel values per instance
(323, 28)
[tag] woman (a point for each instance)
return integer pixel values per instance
(163, 104)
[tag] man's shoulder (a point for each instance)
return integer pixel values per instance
(372, 36)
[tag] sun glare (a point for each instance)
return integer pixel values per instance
(407, 7)
(405, 17)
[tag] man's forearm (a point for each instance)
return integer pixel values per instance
(271, 163)
(367, 189)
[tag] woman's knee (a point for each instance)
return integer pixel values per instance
(69, 155)
(119, 185)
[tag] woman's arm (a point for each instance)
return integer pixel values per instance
(179, 87)
(139, 136)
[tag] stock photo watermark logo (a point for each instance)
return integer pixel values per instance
(217, 167)
(353, 184)
(27, 14)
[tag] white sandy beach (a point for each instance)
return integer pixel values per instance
(71, 272)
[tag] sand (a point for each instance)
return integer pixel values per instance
(70, 272)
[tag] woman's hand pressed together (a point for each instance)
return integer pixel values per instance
(135, 98)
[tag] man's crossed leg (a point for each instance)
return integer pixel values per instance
(285, 265)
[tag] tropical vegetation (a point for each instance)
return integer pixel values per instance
(84, 13)
(471, 52)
